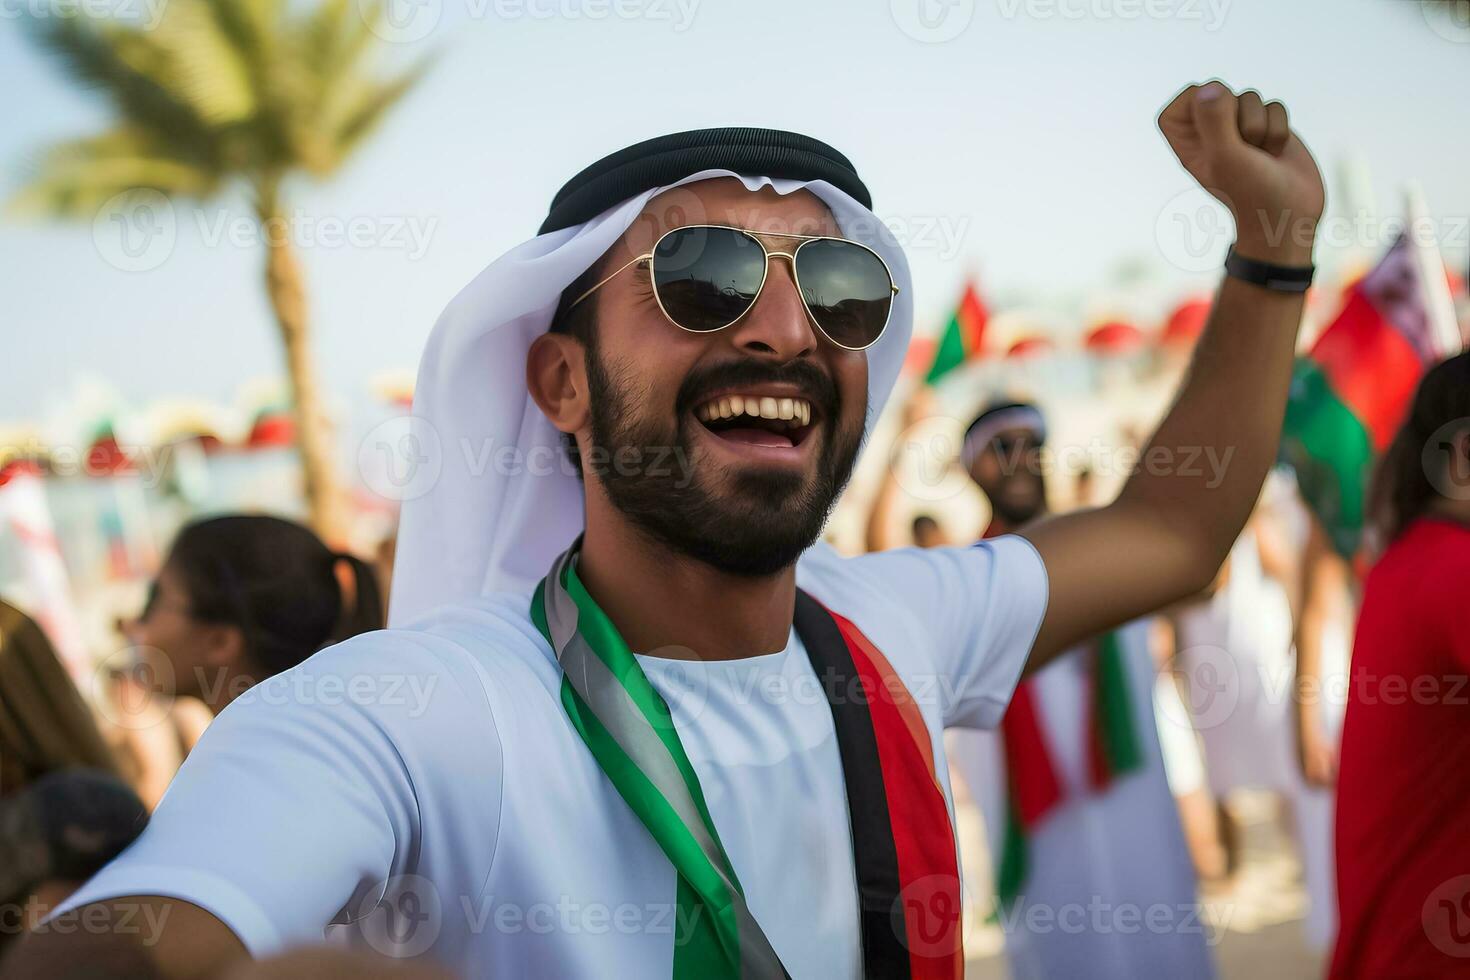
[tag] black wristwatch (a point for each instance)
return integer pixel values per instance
(1282, 278)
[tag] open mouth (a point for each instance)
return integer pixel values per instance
(758, 420)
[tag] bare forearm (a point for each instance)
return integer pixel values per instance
(883, 532)
(1324, 579)
(140, 938)
(1198, 478)
(83, 956)
(1173, 524)
(1202, 471)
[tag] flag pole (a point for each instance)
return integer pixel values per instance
(1438, 305)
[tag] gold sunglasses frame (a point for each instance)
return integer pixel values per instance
(765, 275)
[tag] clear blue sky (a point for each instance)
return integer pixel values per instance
(1023, 147)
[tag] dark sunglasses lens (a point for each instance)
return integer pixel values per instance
(847, 288)
(706, 278)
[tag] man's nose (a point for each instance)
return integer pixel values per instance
(777, 326)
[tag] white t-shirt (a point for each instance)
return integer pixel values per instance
(422, 789)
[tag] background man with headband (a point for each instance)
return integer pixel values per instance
(1081, 823)
(631, 720)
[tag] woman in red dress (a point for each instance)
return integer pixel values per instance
(1403, 799)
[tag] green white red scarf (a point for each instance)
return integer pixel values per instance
(1033, 787)
(1113, 749)
(903, 842)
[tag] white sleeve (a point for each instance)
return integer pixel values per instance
(299, 801)
(981, 606)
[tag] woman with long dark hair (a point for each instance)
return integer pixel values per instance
(242, 598)
(45, 725)
(64, 808)
(1403, 851)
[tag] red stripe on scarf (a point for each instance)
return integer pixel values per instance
(1034, 784)
(908, 708)
(1032, 774)
(928, 869)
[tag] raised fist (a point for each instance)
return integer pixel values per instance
(1243, 152)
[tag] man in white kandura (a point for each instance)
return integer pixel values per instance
(661, 731)
(1092, 875)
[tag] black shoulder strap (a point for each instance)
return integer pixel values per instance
(875, 855)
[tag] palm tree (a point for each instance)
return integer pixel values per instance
(220, 96)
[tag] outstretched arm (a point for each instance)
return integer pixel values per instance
(887, 523)
(1198, 477)
(884, 520)
(1324, 584)
(141, 938)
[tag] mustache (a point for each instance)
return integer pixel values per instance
(814, 384)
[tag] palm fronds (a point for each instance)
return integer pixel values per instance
(216, 91)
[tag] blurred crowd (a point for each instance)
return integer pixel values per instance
(238, 599)
(1148, 735)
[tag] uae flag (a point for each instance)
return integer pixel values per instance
(961, 339)
(1350, 393)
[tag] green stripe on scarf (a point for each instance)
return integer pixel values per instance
(1114, 718)
(1013, 865)
(707, 935)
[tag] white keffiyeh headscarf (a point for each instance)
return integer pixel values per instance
(493, 499)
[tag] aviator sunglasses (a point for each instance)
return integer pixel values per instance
(706, 277)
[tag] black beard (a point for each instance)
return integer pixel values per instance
(1014, 515)
(764, 520)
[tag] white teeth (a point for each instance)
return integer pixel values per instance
(797, 411)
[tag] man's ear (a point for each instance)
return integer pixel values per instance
(556, 376)
(224, 645)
